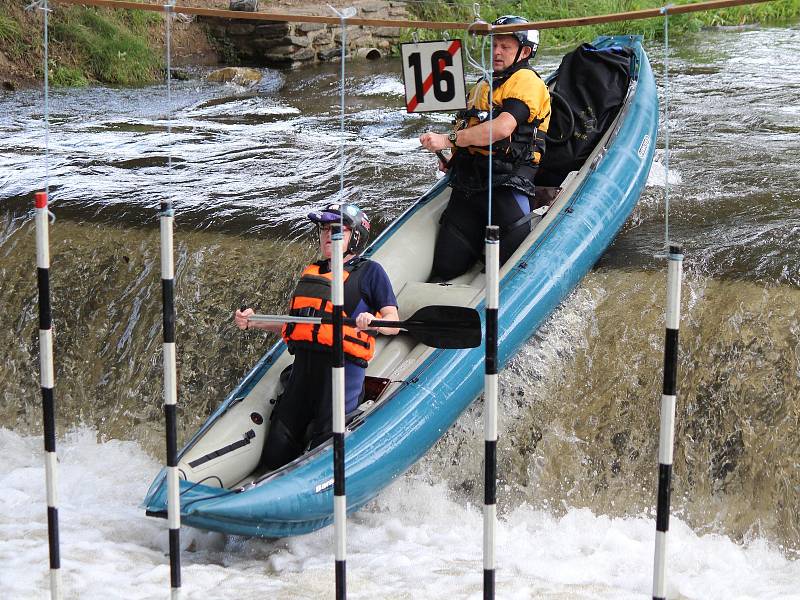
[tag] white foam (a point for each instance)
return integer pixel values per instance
(239, 107)
(657, 177)
(382, 85)
(414, 540)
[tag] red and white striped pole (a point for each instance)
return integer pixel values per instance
(47, 378)
(667, 427)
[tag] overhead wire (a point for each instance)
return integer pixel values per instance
(485, 75)
(649, 13)
(665, 11)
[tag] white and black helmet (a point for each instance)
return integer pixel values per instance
(526, 37)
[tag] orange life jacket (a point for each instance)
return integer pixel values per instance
(312, 298)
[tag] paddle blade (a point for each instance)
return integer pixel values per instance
(441, 326)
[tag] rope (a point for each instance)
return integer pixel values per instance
(665, 11)
(42, 5)
(484, 28)
(46, 10)
(491, 131)
(487, 75)
(343, 16)
(168, 10)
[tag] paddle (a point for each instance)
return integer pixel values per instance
(437, 326)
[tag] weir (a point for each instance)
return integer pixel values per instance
(171, 378)
(286, 44)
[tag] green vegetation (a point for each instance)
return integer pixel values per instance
(112, 45)
(11, 37)
(62, 76)
(122, 47)
(117, 47)
(777, 11)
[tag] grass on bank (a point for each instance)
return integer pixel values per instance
(775, 12)
(123, 47)
(117, 47)
(112, 46)
(11, 39)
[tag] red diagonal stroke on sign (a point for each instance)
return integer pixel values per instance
(455, 45)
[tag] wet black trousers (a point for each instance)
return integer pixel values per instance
(303, 411)
(463, 229)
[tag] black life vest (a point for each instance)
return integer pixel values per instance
(514, 159)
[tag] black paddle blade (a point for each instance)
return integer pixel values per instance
(440, 326)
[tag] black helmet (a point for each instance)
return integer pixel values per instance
(352, 216)
(529, 37)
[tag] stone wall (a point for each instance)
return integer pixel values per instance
(289, 45)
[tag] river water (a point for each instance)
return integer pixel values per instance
(579, 404)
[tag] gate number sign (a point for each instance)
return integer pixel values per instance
(433, 73)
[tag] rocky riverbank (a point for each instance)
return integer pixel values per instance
(290, 45)
(126, 47)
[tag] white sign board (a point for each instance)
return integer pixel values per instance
(433, 73)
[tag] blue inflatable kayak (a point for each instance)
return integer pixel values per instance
(414, 392)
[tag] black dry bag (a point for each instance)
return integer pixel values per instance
(590, 88)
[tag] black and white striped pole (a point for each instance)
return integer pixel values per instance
(490, 410)
(337, 363)
(339, 497)
(667, 427)
(170, 396)
(166, 218)
(47, 379)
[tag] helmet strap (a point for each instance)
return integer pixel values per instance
(351, 245)
(519, 52)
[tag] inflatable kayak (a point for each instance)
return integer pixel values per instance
(414, 392)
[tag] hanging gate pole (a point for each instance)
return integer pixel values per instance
(337, 396)
(339, 496)
(46, 371)
(170, 397)
(166, 218)
(490, 410)
(47, 378)
(667, 428)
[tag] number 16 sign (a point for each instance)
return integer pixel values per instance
(434, 76)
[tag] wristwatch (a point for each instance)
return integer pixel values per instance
(453, 137)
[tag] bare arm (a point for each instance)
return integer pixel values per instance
(240, 317)
(388, 313)
(502, 127)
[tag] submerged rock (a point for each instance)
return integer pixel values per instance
(237, 75)
(180, 74)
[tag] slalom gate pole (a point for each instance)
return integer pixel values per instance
(170, 397)
(490, 410)
(667, 427)
(46, 370)
(166, 218)
(337, 363)
(339, 497)
(47, 379)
